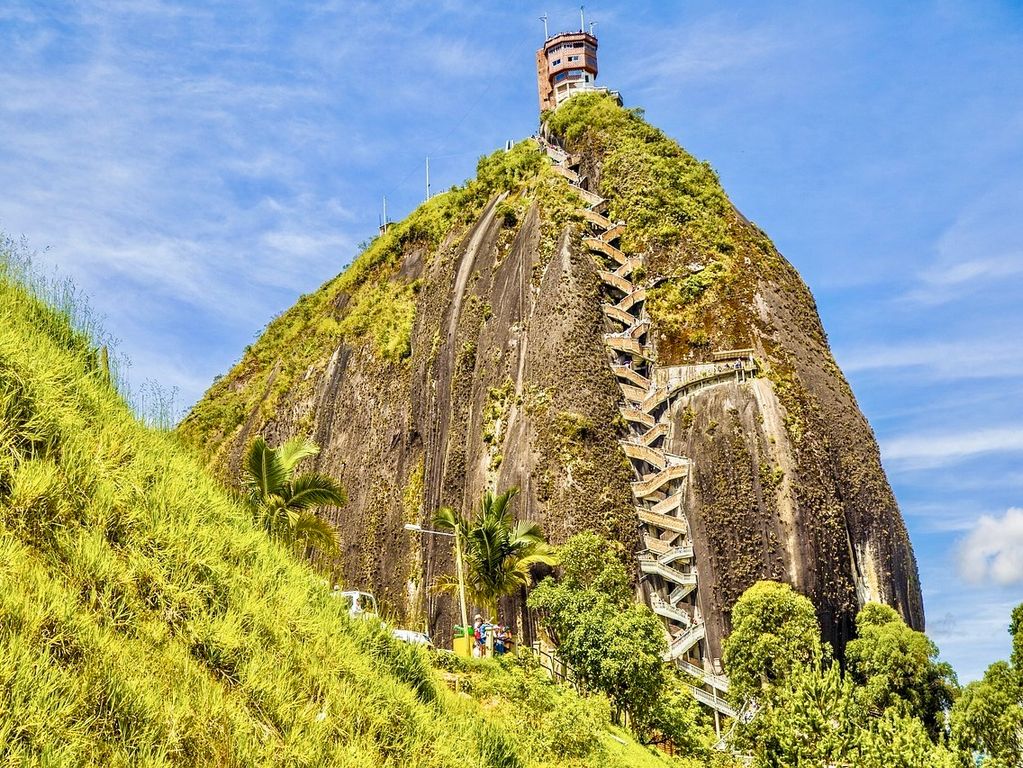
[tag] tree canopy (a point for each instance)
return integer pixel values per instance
(885, 711)
(774, 630)
(988, 717)
(615, 644)
(896, 666)
(498, 552)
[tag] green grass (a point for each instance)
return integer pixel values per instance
(662, 191)
(144, 621)
(551, 723)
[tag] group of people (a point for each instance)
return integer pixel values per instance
(489, 637)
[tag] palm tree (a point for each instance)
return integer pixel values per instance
(283, 504)
(498, 553)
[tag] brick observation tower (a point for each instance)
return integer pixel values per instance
(566, 65)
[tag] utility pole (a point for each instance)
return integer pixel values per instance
(385, 214)
(427, 177)
(461, 581)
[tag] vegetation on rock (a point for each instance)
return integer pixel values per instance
(370, 302)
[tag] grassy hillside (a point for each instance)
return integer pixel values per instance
(144, 621)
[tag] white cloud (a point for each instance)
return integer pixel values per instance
(715, 47)
(993, 551)
(981, 250)
(941, 359)
(919, 451)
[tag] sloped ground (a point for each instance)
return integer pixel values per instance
(144, 621)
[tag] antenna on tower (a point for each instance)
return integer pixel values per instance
(592, 25)
(544, 20)
(582, 19)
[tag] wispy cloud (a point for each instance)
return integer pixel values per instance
(702, 52)
(987, 358)
(950, 516)
(981, 251)
(925, 450)
(994, 550)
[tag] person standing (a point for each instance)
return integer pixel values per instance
(479, 633)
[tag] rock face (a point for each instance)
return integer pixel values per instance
(465, 350)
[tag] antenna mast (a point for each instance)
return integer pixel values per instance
(582, 19)
(544, 20)
(592, 25)
(427, 177)
(385, 213)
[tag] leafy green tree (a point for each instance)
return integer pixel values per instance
(988, 717)
(613, 643)
(498, 553)
(899, 741)
(1016, 630)
(896, 667)
(814, 718)
(677, 719)
(774, 630)
(284, 504)
(809, 718)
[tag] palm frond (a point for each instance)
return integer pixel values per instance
(294, 450)
(265, 475)
(312, 531)
(446, 519)
(498, 506)
(272, 516)
(315, 490)
(527, 532)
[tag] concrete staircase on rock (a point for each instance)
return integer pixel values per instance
(667, 564)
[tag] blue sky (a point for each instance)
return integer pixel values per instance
(195, 167)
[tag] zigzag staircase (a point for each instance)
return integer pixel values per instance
(667, 562)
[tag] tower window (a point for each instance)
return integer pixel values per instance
(555, 62)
